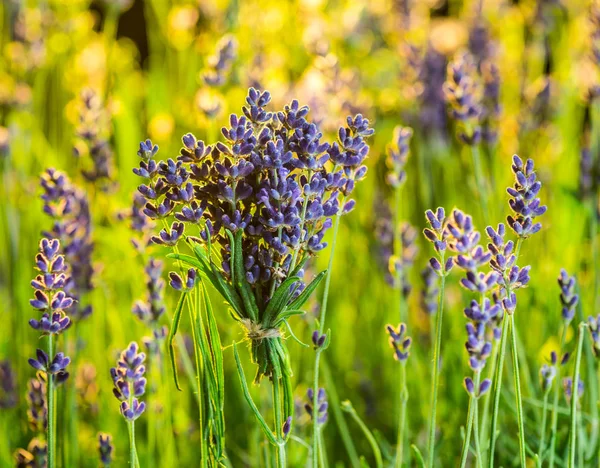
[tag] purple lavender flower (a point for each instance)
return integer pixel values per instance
(92, 135)
(432, 103)
(270, 190)
(322, 403)
(463, 94)
(48, 284)
(69, 208)
(397, 156)
(129, 382)
(219, 65)
(437, 234)
(594, 327)
(37, 413)
(151, 308)
(490, 102)
(524, 202)
(8, 385)
(549, 371)
(429, 293)
(399, 342)
(34, 457)
(568, 388)
(568, 297)
(105, 449)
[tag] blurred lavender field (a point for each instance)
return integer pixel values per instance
(217, 249)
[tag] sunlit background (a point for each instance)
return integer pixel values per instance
(81, 84)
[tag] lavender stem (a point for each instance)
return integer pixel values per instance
(519, 398)
(436, 366)
(469, 429)
(316, 429)
(51, 391)
(402, 419)
(554, 421)
(574, 397)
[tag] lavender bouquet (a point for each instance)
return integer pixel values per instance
(253, 210)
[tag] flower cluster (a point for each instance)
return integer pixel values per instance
(399, 342)
(524, 201)
(549, 371)
(503, 262)
(92, 138)
(37, 413)
(568, 297)
(219, 65)
(594, 327)
(269, 191)
(105, 449)
(429, 293)
(396, 265)
(52, 301)
(8, 385)
(68, 206)
(322, 403)
(397, 156)
(150, 309)
(568, 388)
(35, 456)
(129, 382)
(491, 101)
(437, 234)
(463, 93)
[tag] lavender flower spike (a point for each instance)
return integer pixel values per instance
(568, 298)
(129, 382)
(524, 202)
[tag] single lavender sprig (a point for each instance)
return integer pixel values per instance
(36, 454)
(574, 395)
(401, 344)
(548, 374)
(52, 301)
(130, 384)
(568, 300)
(105, 449)
(437, 234)
(471, 257)
(526, 207)
(68, 206)
(8, 385)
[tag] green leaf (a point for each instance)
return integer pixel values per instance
(187, 259)
(279, 300)
(296, 339)
(172, 333)
(240, 275)
(264, 426)
(305, 295)
(286, 314)
(418, 455)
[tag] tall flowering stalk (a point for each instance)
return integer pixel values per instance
(463, 92)
(573, 396)
(526, 206)
(256, 208)
(437, 234)
(548, 374)
(397, 156)
(463, 239)
(52, 301)
(130, 384)
(568, 300)
(400, 343)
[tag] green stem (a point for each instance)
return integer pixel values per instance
(402, 418)
(51, 417)
(479, 180)
(339, 416)
(498, 389)
(315, 436)
(436, 367)
(470, 418)
(132, 451)
(574, 397)
(347, 406)
(518, 396)
(476, 434)
(554, 422)
(398, 252)
(543, 428)
(488, 396)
